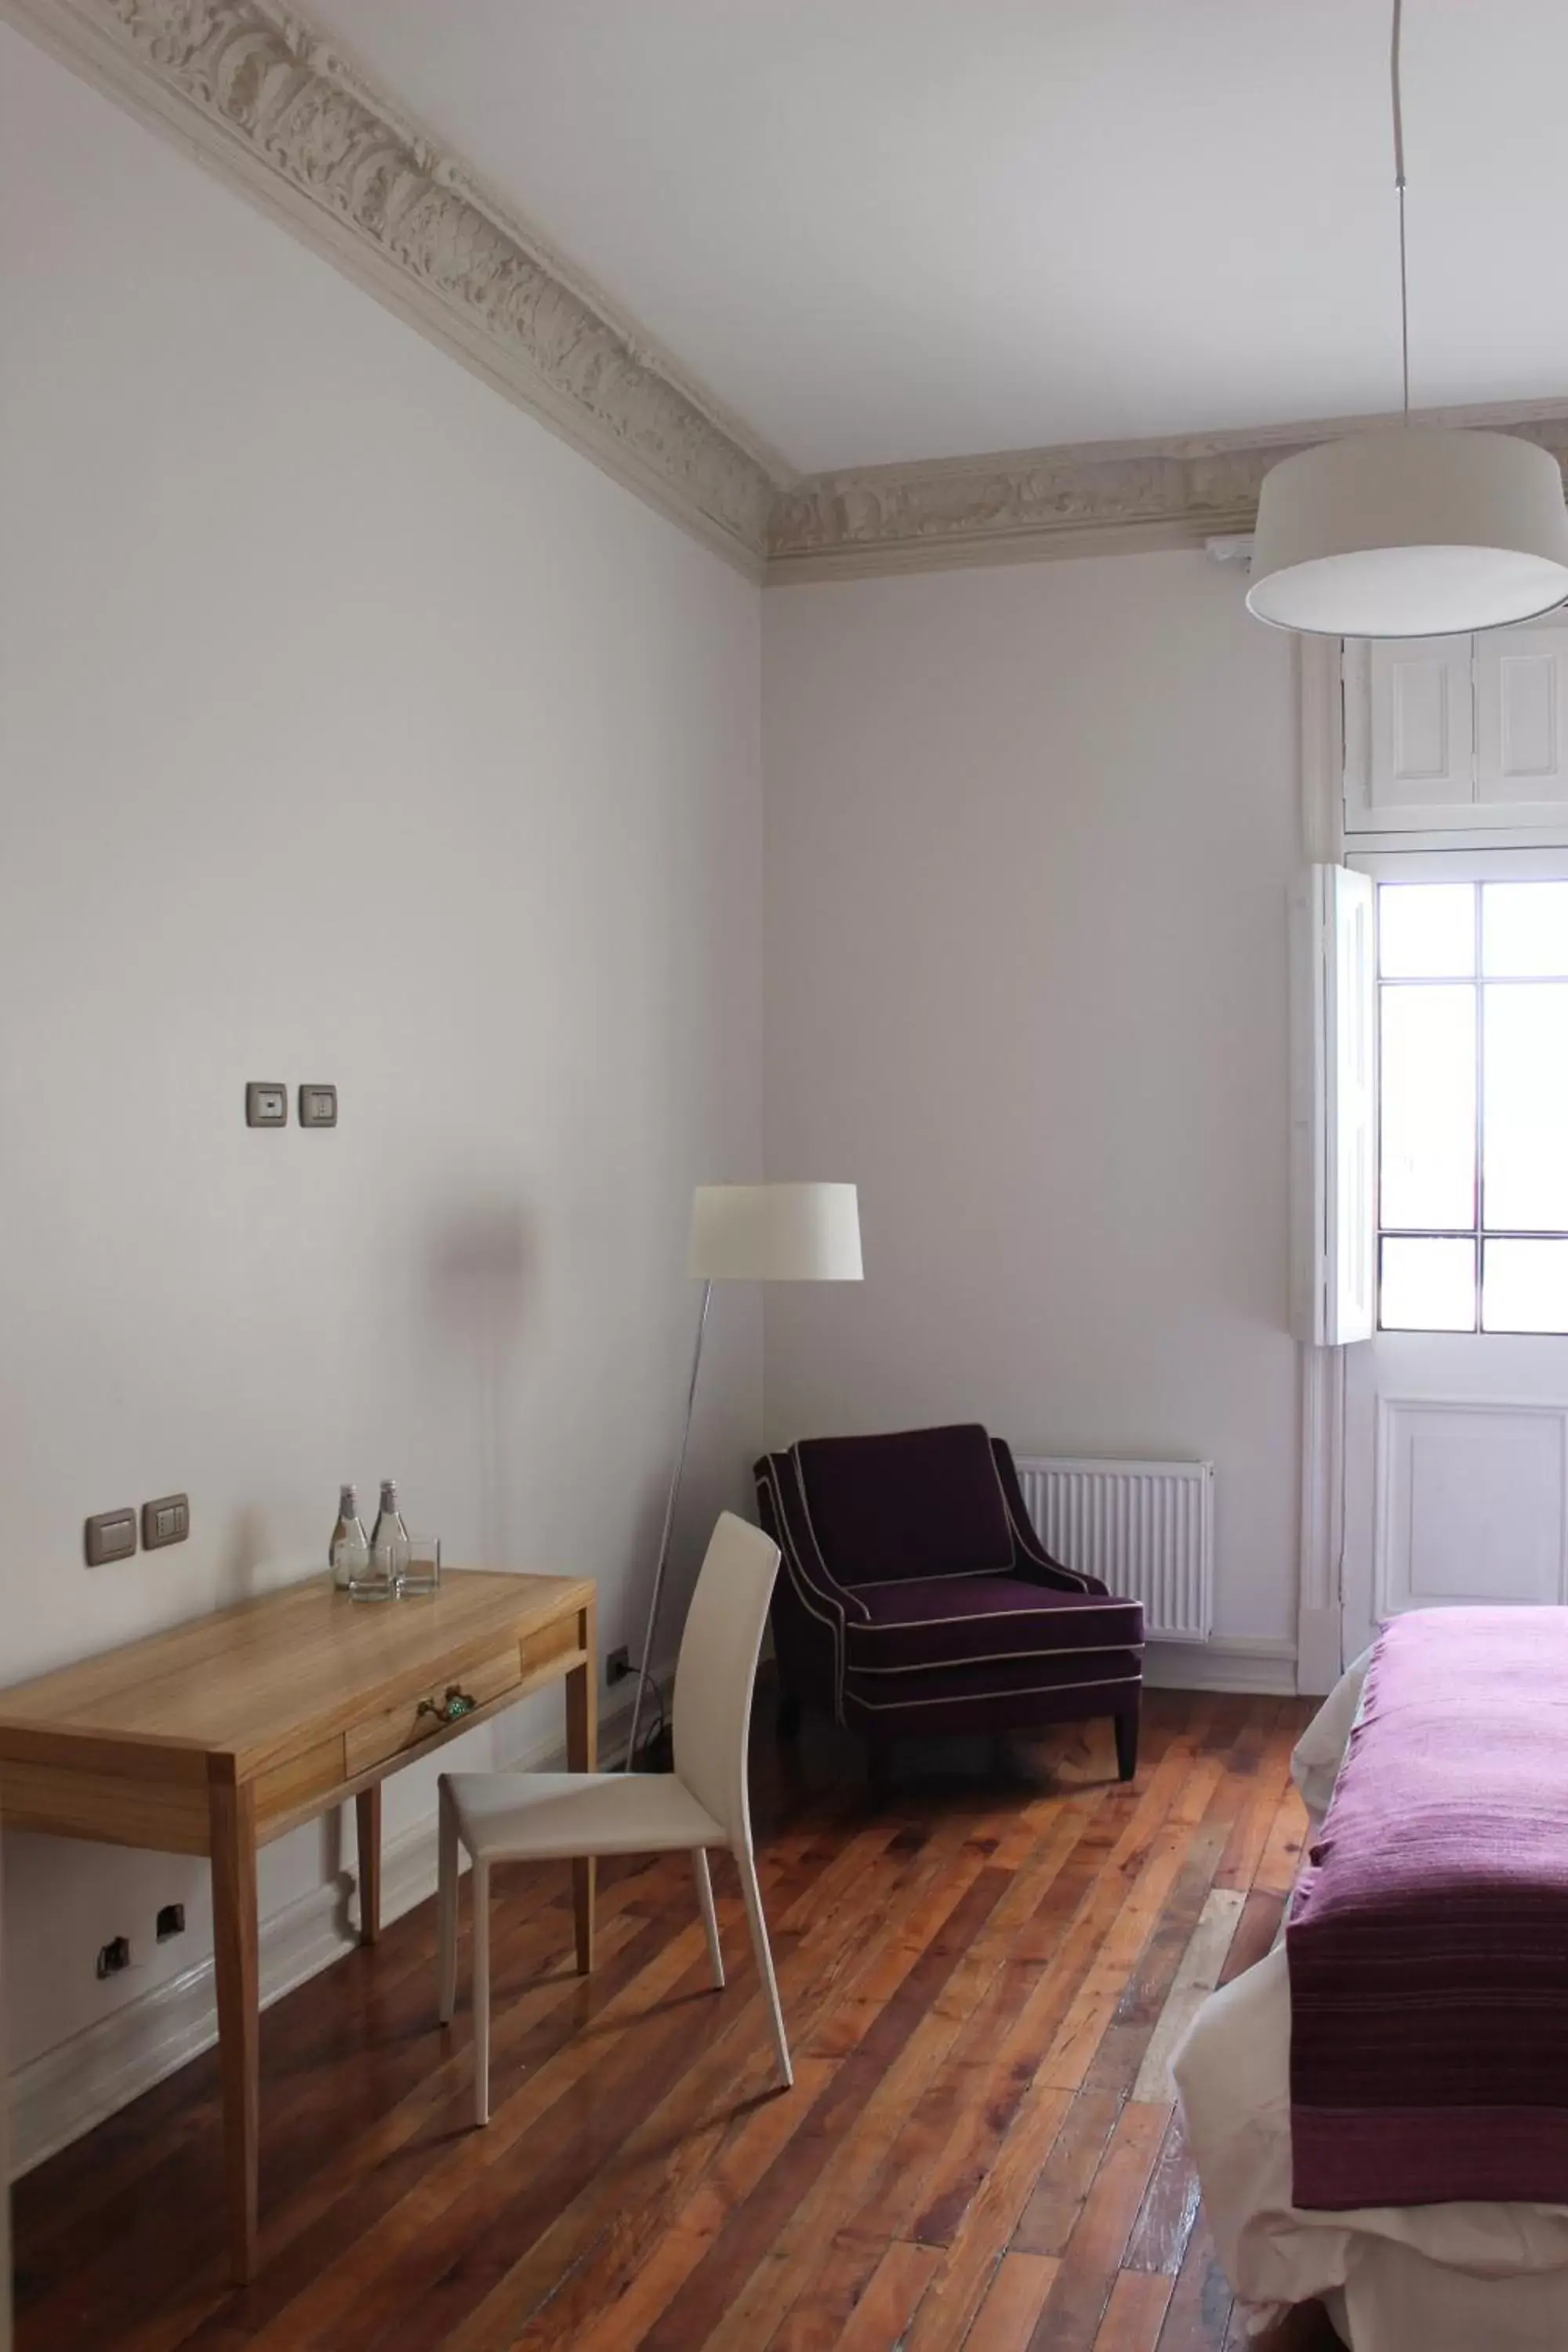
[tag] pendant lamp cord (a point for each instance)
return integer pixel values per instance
(1399, 189)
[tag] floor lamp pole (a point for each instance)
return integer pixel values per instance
(646, 1660)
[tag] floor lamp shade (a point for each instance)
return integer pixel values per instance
(776, 1232)
(1411, 532)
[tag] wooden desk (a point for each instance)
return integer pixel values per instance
(223, 1734)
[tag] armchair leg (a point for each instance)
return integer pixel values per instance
(1127, 1745)
(880, 1767)
(787, 1720)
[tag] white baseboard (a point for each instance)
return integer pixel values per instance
(64, 2092)
(1225, 1662)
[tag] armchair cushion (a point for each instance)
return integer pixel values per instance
(922, 1502)
(1007, 1691)
(960, 1620)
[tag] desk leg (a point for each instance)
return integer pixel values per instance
(583, 1756)
(232, 1811)
(367, 1822)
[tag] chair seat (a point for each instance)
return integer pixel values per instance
(968, 1620)
(504, 1816)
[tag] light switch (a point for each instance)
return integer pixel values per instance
(318, 1105)
(166, 1521)
(266, 1104)
(110, 1536)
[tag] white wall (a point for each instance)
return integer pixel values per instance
(1029, 836)
(353, 729)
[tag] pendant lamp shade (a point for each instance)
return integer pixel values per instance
(1412, 531)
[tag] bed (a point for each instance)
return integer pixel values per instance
(1472, 2276)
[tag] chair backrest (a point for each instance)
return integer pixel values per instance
(717, 1667)
(911, 1504)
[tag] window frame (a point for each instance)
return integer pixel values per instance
(1465, 861)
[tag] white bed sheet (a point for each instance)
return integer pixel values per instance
(1412, 2278)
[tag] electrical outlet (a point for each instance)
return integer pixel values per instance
(318, 1105)
(618, 1665)
(166, 1521)
(266, 1104)
(111, 1534)
(171, 1921)
(115, 1956)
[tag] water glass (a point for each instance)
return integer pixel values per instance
(421, 1566)
(363, 1575)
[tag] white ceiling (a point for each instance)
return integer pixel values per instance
(884, 230)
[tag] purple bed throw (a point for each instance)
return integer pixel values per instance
(1428, 1941)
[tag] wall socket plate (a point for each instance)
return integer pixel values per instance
(111, 1534)
(318, 1105)
(266, 1104)
(166, 1520)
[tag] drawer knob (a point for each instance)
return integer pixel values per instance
(450, 1709)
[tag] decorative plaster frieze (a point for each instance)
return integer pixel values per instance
(254, 92)
(1091, 498)
(270, 103)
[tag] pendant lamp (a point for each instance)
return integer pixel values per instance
(1410, 531)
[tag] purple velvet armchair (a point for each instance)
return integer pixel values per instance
(915, 1597)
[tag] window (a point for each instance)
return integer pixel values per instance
(1473, 1117)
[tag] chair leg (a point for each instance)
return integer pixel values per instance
(1127, 1745)
(880, 1767)
(446, 1904)
(753, 1901)
(787, 1721)
(709, 1916)
(481, 1875)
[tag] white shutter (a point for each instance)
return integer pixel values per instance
(1409, 734)
(1521, 716)
(1334, 1283)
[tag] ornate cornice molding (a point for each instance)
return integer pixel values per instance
(1093, 498)
(254, 92)
(257, 95)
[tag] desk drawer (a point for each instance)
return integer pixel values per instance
(369, 1743)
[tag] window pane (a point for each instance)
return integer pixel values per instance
(1526, 1286)
(1427, 1285)
(1427, 1175)
(1526, 1126)
(1524, 929)
(1426, 930)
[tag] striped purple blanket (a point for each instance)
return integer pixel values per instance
(1427, 1941)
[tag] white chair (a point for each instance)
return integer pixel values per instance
(510, 1816)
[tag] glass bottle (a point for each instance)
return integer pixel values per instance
(389, 1543)
(348, 1533)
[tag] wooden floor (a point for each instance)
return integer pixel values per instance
(983, 1975)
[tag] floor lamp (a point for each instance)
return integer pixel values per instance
(750, 1233)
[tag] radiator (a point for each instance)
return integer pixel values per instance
(1146, 1527)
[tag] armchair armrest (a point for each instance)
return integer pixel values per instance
(1035, 1563)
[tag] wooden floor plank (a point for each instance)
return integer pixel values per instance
(1159, 2239)
(1135, 2312)
(983, 1972)
(1195, 1978)
(1078, 2301)
(885, 2310)
(1013, 2301)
